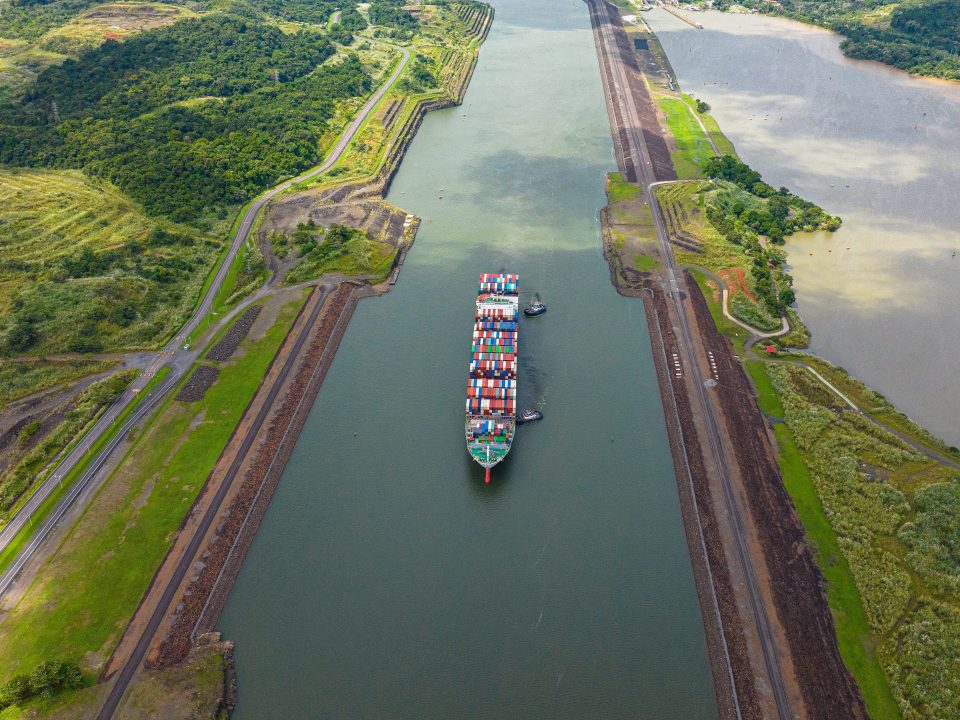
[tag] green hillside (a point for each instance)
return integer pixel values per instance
(919, 36)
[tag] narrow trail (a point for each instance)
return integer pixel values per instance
(915, 444)
(706, 133)
(634, 136)
(177, 354)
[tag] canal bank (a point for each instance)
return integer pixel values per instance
(876, 147)
(865, 460)
(386, 580)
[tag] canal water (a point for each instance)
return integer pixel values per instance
(387, 581)
(868, 143)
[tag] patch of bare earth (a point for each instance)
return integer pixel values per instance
(795, 588)
(201, 379)
(231, 340)
(132, 17)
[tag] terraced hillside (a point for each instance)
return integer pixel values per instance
(83, 269)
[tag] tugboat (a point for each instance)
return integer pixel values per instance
(529, 416)
(534, 309)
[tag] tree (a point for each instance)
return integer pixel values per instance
(702, 107)
(22, 335)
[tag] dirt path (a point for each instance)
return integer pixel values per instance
(177, 354)
(739, 516)
(796, 586)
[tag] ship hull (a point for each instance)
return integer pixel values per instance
(492, 388)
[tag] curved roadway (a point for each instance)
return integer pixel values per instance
(633, 130)
(175, 353)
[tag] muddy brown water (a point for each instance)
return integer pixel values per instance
(868, 143)
(387, 581)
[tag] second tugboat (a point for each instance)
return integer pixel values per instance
(492, 389)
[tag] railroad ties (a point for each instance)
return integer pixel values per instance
(713, 365)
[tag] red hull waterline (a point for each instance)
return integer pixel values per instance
(487, 478)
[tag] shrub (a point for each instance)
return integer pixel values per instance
(46, 678)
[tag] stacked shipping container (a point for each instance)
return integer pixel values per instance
(492, 388)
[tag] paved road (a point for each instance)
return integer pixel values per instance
(176, 354)
(677, 290)
(213, 510)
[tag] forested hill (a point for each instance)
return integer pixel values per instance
(188, 119)
(32, 18)
(919, 36)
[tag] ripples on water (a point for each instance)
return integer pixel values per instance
(873, 145)
(387, 580)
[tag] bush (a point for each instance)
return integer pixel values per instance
(47, 678)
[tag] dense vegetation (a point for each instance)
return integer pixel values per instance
(892, 515)
(45, 679)
(198, 115)
(744, 210)
(781, 215)
(33, 453)
(920, 36)
(336, 249)
(392, 14)
(83, 269)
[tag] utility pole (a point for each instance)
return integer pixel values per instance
(55, 111)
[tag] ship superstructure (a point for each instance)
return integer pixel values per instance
(492, 388)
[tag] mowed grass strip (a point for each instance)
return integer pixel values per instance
(854, 637)
(719, 139)
(692, 146)
(618, 188)
(86, 592)
(766, 395)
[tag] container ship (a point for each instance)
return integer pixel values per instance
(492, 388)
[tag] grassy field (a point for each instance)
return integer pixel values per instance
(619, 189)
(25, 375)
(881, 518)
(766, 395)
(691, 142)
(86, 270)
(85, 593)
(719, 139)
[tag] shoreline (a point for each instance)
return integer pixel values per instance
(285, 403)
(745, 539)
(812, 516)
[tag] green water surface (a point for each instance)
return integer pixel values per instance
(387, 581)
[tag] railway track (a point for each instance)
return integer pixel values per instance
(176, 354)
(213, 511)
(620, 92)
